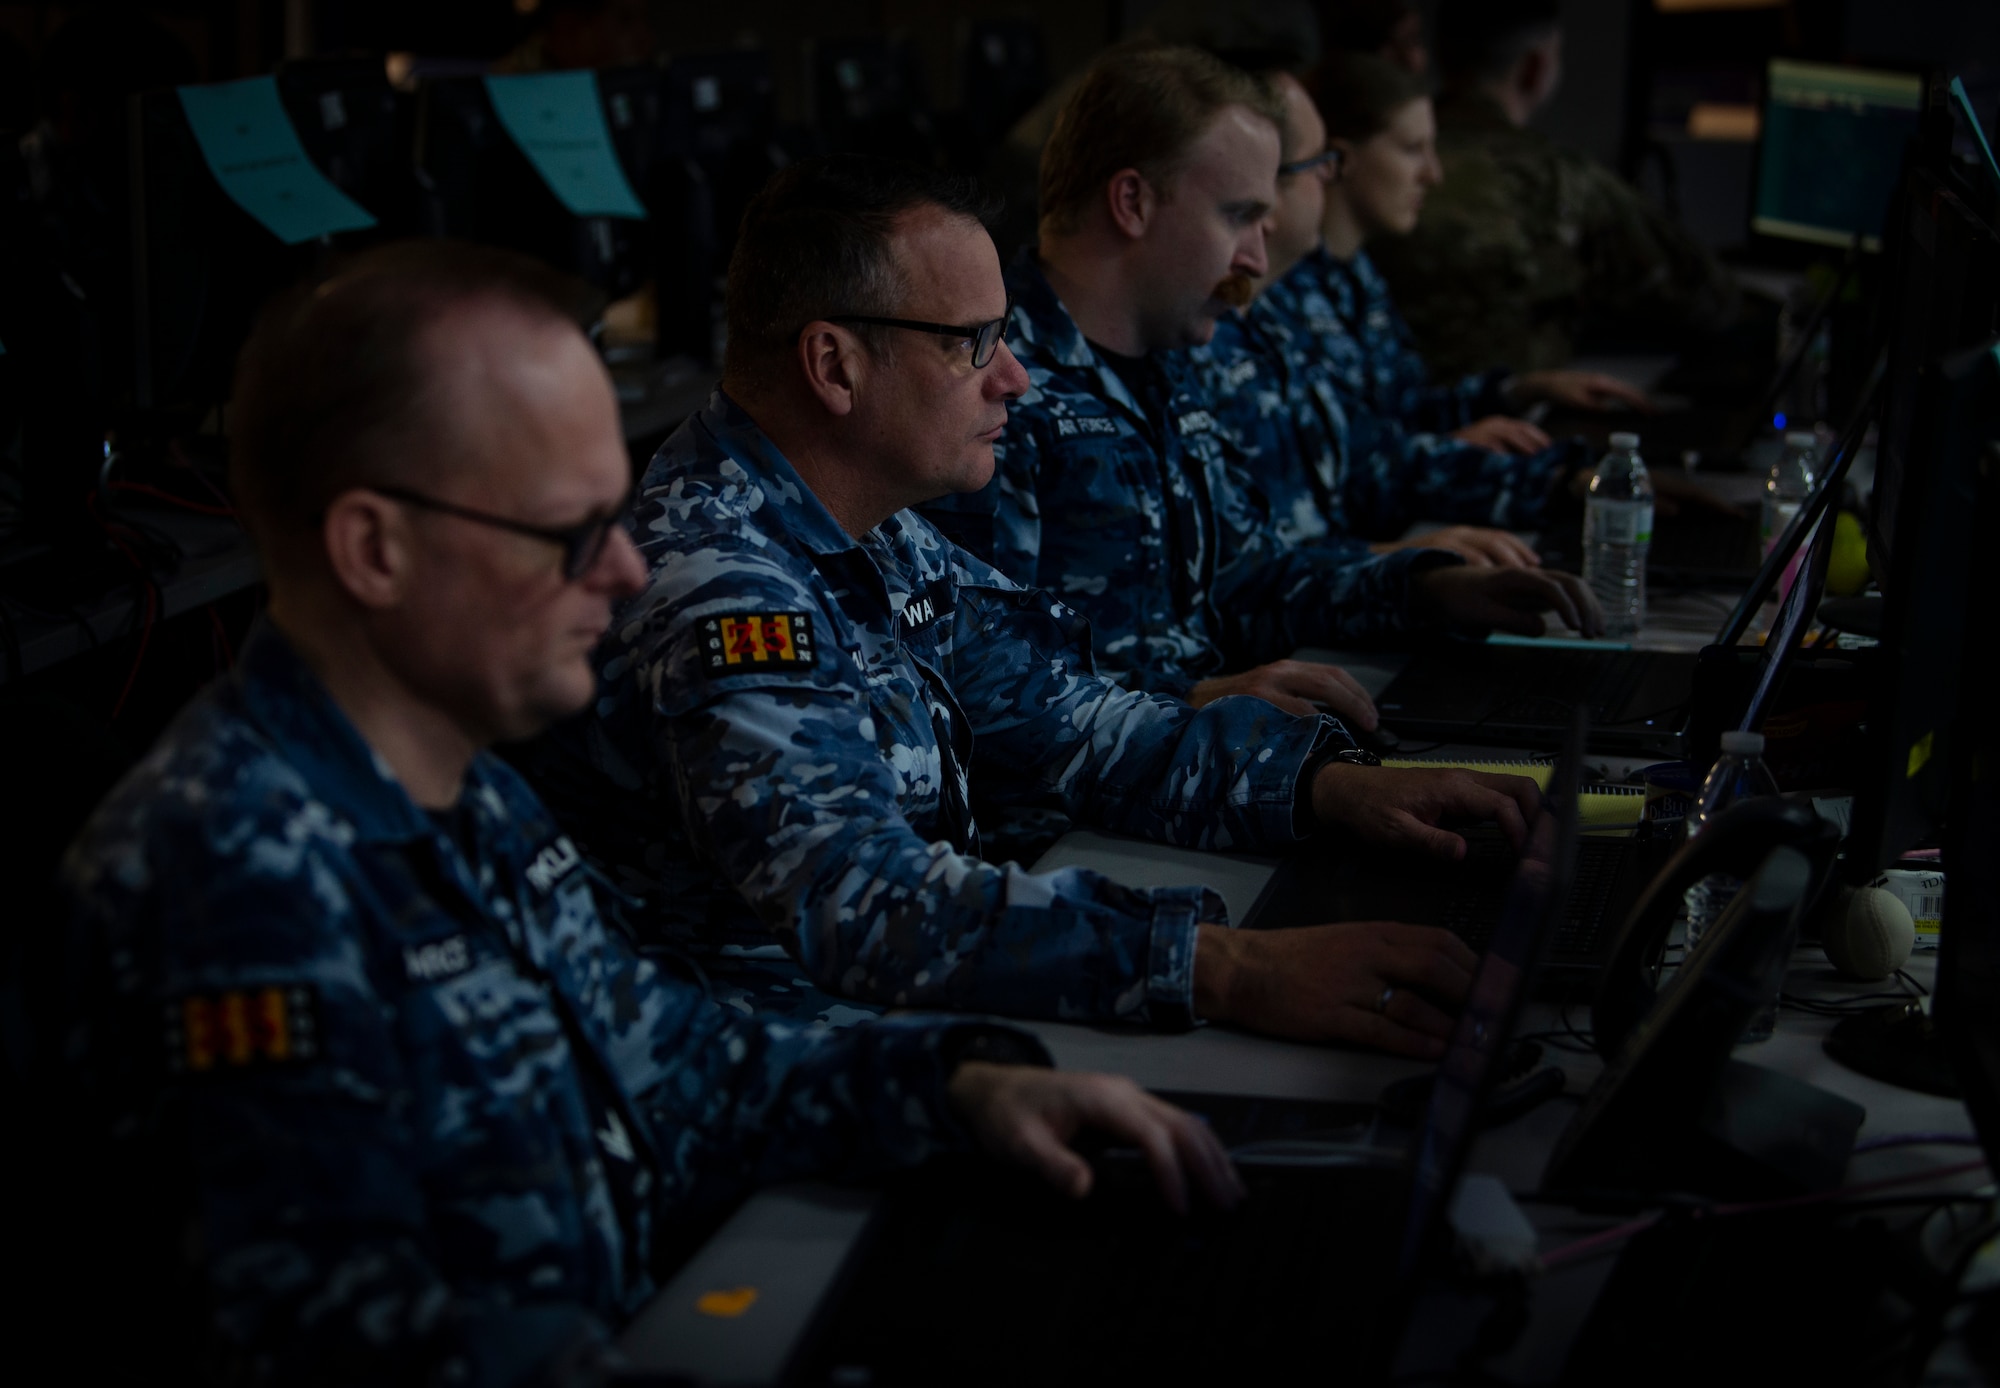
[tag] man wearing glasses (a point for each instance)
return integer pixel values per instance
(1344, 431)
(386, 1099)
(795, 714)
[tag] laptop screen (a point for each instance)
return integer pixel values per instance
(1493, 1008)
(1795, 617)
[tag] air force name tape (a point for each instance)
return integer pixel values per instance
(745, 641)
(238, 1028)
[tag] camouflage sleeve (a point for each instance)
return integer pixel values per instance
(1445, 406)
(1420, 403)
(1137, 763)
(788, 792)
(1398, 478)
(298, 1188)
(1274, 598)
(784, 792)
(738, 1102)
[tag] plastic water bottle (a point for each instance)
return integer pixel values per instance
(1617, 531)
(1788, 486)
(1738, 774)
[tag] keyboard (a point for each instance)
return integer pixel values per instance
(1472, 908)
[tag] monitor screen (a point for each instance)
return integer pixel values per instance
(1831, 145)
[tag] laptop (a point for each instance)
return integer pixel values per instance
(1611, 872)
(1637, 701)
(977, 1276)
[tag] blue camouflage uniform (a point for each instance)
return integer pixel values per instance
(1318, 381)
(1143, 514)
(1381, 367)
(431, 1115)
(792, 721)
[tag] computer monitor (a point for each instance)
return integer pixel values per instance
(478, 185)
(1968, 977)
(357, 130)
(1929, 592)
(1944, 295)
(722, 134)
(1829, 149)
(201, 268)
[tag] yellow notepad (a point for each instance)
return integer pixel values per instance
(1599, 807)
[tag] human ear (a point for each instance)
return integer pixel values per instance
(1131, 201)
(831, 359)
(369, 547)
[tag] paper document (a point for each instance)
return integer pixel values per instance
(1598, 806)
(556, 119)
(255, 155)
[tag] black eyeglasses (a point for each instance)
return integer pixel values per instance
(985, 337)
(582, 543)
(1318, 161)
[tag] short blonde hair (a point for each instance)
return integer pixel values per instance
(1140, 106)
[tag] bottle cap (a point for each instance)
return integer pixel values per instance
(1624, 440)
(1743, 744)
(1801, 438)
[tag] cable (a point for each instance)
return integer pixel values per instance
(161, 494)
(1570, 1252)
(138, 656)
(1877, 1144)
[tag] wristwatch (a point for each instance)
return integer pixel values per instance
(1356, 756)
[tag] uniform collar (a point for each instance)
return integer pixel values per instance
(287, 702)
(1043, 326)
(786, 494)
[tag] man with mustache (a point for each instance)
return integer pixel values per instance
(798, 713)
(387, 1100)
(1115, 485)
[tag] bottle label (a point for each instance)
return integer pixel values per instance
(1619, 523)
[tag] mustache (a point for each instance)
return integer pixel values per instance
(1236, 290)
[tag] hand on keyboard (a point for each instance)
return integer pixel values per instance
(1028, 1116)
(1480, 546)
(1296, 686)
(1405, 807)
(1375, 983)
(1498, 433)
(1510, 600)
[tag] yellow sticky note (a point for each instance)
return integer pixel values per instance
(728, 1304)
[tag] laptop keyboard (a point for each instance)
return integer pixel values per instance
(1472, 911)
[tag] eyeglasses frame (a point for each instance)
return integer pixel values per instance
(582, 544)
(1332, 155)
(977, 332)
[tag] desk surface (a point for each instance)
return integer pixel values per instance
(777, 1232)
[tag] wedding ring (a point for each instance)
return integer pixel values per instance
(1388, 995)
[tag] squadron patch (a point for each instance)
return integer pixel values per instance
(240, 1028)
(758, 641)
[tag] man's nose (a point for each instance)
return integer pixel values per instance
(621, 570)
(1007, 379)
(1251, 258)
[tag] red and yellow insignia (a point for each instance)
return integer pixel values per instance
(241, 1027)
(758, 641)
